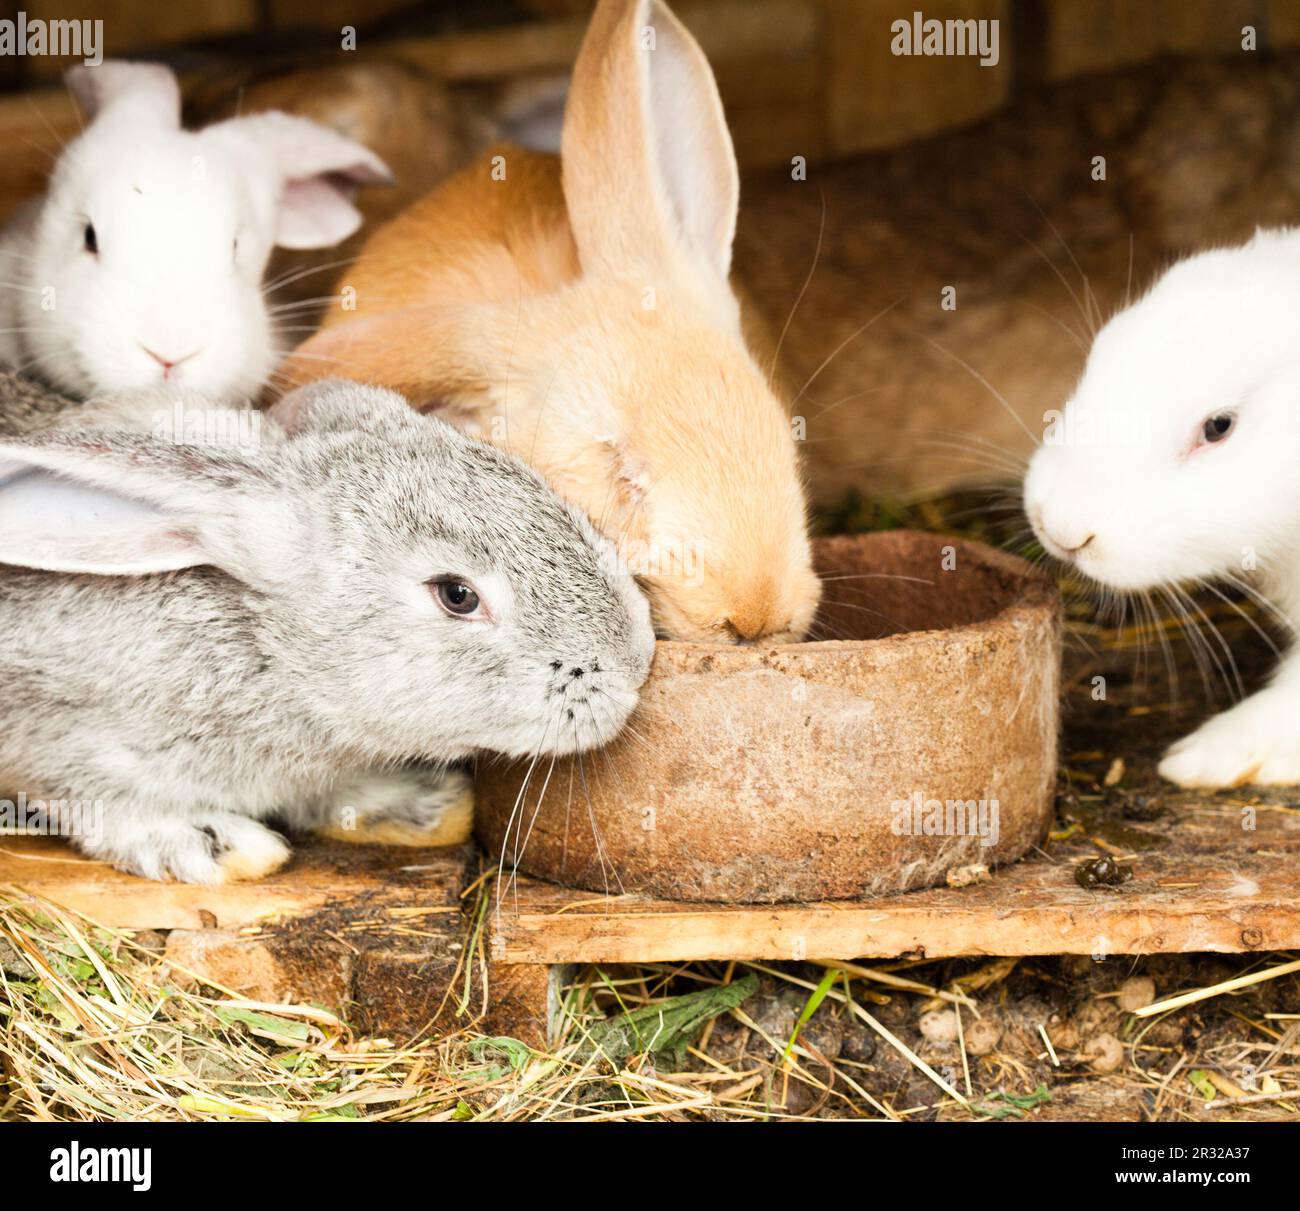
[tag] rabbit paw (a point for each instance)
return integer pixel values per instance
(409, 807)
(213, 849)
(1257, 741)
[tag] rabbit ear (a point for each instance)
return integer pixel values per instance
(647, 161)
(530, 111)
(149, 88)
(55, 525)
(118, 504)
(317, 170)
(334, 405)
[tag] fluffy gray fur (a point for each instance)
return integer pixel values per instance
(308, 650)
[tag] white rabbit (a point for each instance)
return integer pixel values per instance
(143, 261)
(202, 636)
(1176, 462)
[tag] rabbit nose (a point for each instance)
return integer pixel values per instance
(1068, 545)
(1063, 541)
(745, 629)
(750, 612)
(169, 364)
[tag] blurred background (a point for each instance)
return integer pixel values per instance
(925, 175)
(798, 77)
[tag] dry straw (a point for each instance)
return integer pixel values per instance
(95, 1026)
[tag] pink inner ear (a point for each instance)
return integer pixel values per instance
(143, 551)
(52, 524)
(316, 212)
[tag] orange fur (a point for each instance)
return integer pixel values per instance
(581, 316)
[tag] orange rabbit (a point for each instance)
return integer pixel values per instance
(578, 311)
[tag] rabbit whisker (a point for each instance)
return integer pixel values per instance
(1261, 602)
(1076, 337)
(979, 378)
(844, 399)
(1090, 309)
(844, 344)
(1206, 659)
(297, 274)
(522, 846)
(606, 868)
(789, 319)
(502, 887)
(303, 304)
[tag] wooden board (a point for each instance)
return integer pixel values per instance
(1206, 884)
(321, 874)
(1201, 882)
(376, 933)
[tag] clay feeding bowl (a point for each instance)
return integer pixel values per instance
(922, 741)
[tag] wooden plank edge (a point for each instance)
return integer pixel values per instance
(862, 931)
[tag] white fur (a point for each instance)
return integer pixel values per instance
(1157, 506)
(185, 222)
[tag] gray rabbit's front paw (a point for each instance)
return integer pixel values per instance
(213, 848)
(417, 807)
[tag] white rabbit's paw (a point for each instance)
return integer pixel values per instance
(212, 849)
(407, 807)
(246, 849)
(1257, 741)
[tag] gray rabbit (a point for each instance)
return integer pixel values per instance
(204, 634)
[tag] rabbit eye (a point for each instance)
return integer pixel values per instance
(456, 597)
(89, 240)
(1216, 428)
